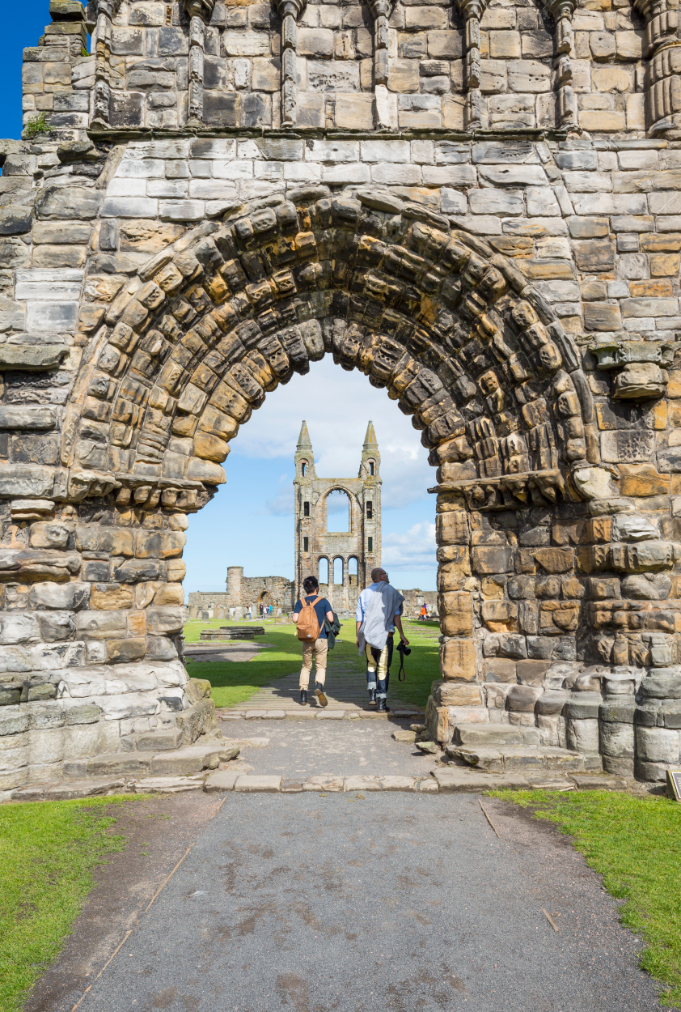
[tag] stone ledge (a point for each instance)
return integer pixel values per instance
(115, 136)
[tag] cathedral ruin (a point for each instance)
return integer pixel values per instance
(476, 204)
(341, 560)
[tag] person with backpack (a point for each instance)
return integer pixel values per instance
(379, 612)
(310, 615)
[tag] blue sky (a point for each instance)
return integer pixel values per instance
(22, 25)
(250, 521)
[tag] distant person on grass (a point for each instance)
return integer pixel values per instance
(309, 615)
(379, 611)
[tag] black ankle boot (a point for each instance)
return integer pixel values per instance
(319, 693)
(303, 697)
(383, 705)
(372, 695)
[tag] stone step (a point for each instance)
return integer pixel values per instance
(182, 762)
(496, 734)
(517, 758)
(67, 790)
(153, 741)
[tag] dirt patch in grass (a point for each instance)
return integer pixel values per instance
(155, 833)
(635, 844)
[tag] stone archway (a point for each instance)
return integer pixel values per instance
(527, 516)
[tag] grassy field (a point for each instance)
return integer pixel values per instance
(635, 844)
(48, 853)
(234, 683)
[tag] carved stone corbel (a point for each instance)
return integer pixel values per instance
(663, 52)
(199, 13)
(472, 11)
(289, 11)
(562, 11)
(638, 367)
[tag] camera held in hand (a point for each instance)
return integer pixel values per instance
(403, 649)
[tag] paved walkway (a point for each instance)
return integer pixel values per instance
(299, 749)
(345, 686)
(346, 689)
(343, 904)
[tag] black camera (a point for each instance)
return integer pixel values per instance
(403, 649)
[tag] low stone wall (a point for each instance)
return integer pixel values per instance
(49, 726)
(616, 716)
(414, 599)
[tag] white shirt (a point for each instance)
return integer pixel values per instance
(363, 602)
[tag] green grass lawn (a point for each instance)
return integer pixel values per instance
(235, 682)
(48, 853)
(635, 844)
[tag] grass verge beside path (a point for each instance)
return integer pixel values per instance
(48, 853)
(635, 844)
(235, 682)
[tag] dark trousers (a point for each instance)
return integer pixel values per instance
(379, 677)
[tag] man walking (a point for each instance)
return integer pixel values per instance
(379, 611)
(309, 614)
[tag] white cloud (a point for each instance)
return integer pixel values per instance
(337, 406)
(413, 550)
(281, 504)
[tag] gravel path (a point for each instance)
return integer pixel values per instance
(396, 901)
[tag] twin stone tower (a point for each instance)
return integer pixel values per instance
(341, 559)
(349, 555)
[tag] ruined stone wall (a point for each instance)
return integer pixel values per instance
(414, 599)
(436, 65)
(514, 288)
(253, 591)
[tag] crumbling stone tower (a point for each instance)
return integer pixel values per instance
(475, 203)
(356, 551)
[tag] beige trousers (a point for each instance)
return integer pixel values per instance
(316, 651)
(382, 661)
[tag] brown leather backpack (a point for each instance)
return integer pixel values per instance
(308, 623)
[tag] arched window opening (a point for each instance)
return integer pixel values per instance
(303, 468)
(372, 468)
(352, 572)
(338, 512)
(323, 576)
(370, 511)
(306, 509)
(338, 571)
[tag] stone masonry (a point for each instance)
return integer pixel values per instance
(476, 204)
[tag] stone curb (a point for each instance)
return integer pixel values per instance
(457, 780)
